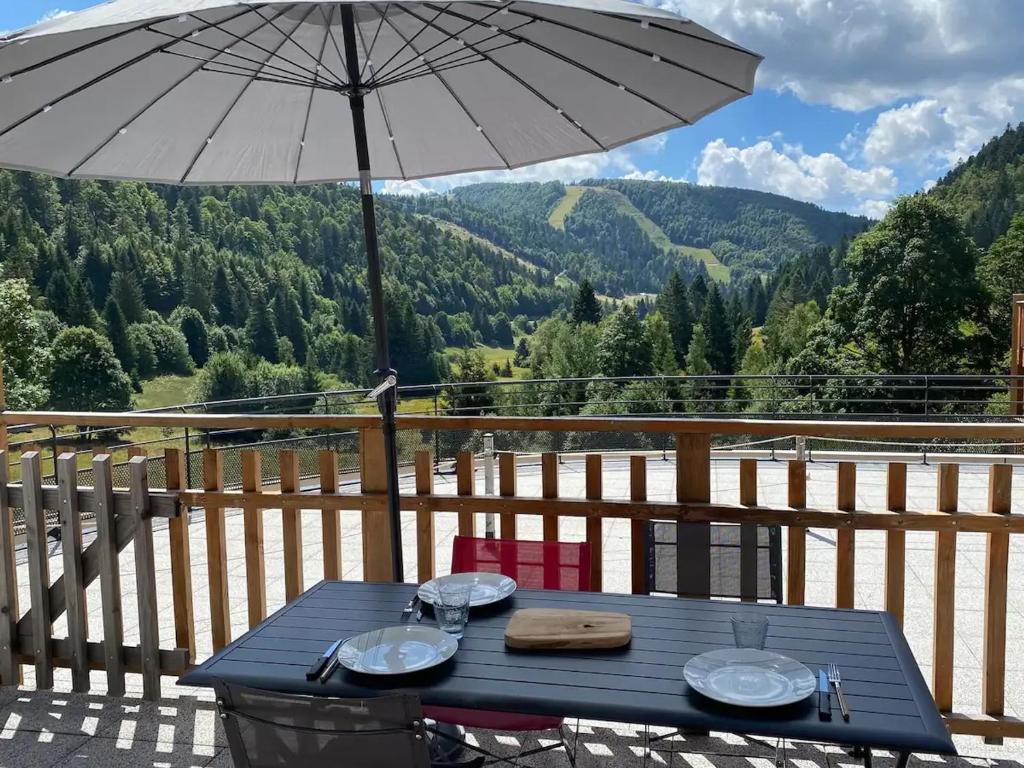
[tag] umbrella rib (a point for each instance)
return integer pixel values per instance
(535, 92)
(447, 38)
(458, 101)
(383, 110)
(419, 66)
(234, 102)
(661, 27)
(376, 34)
(139, 114)
(313, 72)
(413, 74)
(227, 68)
(629, 47)
(584, 68)
(406, 44)
(257, 64)
(108, 74)
(312, 93)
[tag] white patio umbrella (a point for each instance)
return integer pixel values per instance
(253, 92)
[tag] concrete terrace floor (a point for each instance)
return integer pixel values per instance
(57, 728)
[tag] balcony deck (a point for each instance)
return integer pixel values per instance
(44, 728)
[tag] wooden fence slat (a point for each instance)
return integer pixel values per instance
(945, 591)
(997, 561)
(10, 672)
(638, 529)
(693, 540)
(252, 525)
(465, 481)
(109, 573)
(181, 558)
(748, 532)
(425, 546)
(38, 568)
(895, 541)
(291, 526)
(549, 490)
(217, 552)
(74, 583)
(594, 491)
(508, 521)
(846, 545)
(145, 579)
(376, 523)
(796, 564)
(330, 519)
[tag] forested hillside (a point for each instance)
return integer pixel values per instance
(988, 188)
(173, 276)
(587, 233)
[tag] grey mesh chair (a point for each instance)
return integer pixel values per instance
(743, 561)
(266, 729)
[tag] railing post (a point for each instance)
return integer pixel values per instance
(291, 526)
(507, 487)
(846, 549)
(594, 491)
(945, 590)
(252, 525)
(997, 556)
(549, 490)
(181, 558)
(145, 579)
(425, 546)
(330, 519)
(693, 540)
(217, 552)
(895, 541)
(10, 671)
(38, 568)
(796, 562)
(638, 529)
(110, 574)
(748, 532)
(376, 523)
(465, 481)
(74, 582)
(489, 481)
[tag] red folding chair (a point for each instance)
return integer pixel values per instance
(534, 565)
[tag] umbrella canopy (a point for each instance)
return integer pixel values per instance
(252, 92)
(216, 92)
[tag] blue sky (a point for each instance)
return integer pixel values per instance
(857, 101)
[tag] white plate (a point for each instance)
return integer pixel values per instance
(397, 650)
(487, 587)
(747, 677)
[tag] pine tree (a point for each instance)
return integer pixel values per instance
(117, 332)
(522, 357)
(662, 349)
(585, 306)
(674, 305)
(127, 292)
(223, 297)
(719, 335)
(623, 349)
(79, 310)
(260, 332)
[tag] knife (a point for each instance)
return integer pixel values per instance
(824, 697)
(317, 666)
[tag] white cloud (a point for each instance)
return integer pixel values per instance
(874, 209)
(825, 179)
(949, 72)
(56, 13)
(616, 163)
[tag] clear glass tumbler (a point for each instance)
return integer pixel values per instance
(749, 631)
(452, 608)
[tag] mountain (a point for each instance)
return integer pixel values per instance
(627, 237)
(988, 188)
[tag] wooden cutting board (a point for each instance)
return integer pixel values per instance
(556, 629)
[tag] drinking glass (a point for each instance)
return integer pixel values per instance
(452, 607)
(749, 631)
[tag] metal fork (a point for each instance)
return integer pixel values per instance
(837, 683)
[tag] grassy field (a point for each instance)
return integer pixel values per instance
(164, 391)
(465, 234)
(495, 355)
(557, 216)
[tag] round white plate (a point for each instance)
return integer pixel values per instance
(747, 677)
(397, 650)
(487, 587)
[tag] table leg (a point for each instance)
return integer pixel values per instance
(867, 757)
(902, 758)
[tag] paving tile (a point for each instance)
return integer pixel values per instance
(111, 753)
(31, 749)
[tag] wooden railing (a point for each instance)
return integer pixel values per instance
(127, 515)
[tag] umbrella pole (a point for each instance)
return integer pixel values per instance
(388, 399)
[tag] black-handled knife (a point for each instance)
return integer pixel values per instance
(317, 666)
(824, 697)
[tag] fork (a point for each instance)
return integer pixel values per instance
(837, 682)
